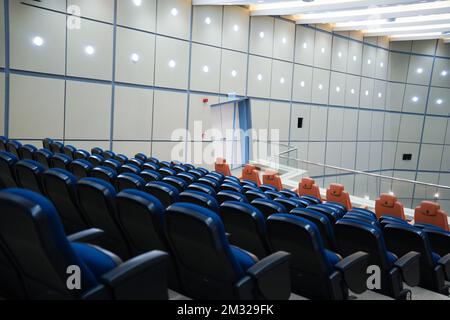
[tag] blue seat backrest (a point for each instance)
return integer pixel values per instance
(255, 194)
(232, 186)
(201, 199)
(228, 195)
(356, 235)
(366, 212)
(302, 239)
(81, 168)
(31, 230)
(177, 182)
(207, 239)
(202, 187)
(289, 193)
(165, 192)
(129, 181)
(7, 175)
(28, 175)
(268, 207)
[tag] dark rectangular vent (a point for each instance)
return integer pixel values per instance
(300, 123)
(407, 157)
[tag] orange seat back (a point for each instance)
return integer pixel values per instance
(388, 205)
(307, 187)
(250, 173)
(336, 193)
(431, 213)
(222, 167)
(272, 178)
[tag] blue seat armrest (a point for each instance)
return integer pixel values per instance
(271, 276)
(92, 236)
(445, 263)
(141, 278)
(353, 269)
(409, 266)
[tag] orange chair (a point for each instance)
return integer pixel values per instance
(387, 205)
(250, 173)
(336, 193)
(222, 167)
(307, 187)
(431, 213)
(272, 178)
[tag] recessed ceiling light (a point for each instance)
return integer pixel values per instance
(208, 20)
(439, 101)
(366, 93)
(259, 77)
(369, 61)
(205, 69)
(135, 57)
(302, 84)
(419, 70)
(234, 73)
(172, 64)
(338, 89)
(282, 80)
(444, 73)
(174, 11)
(352, 91)
(381, 64)
(261, 34)
(355, 58)
(320, 86)
(236, 28)
(322, 50)
(284, 40)
(380, 94)
(415, 99)
(89, 50)
(305, 45)
(137, 2)
(38, 41)
(340, 54)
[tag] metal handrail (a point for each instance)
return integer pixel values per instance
(281, 155)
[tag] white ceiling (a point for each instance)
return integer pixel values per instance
(397, 19)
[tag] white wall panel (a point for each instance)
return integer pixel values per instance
(27, 24)
(141, 17)
(322, 50)
(410, 128)
(420, 70)
(88, 111)
(281, 87)
(318, 123)
(261, 36)
(233, 75)
(259, 77)
(135, 57)
(302, 86)
(200, 117)
(305, 41)
(415, 99)
(430, 157)
(320, 87)
(340, 54)
(133, 112)
(36, 108)
(207, 25)
(169, 114)
(173, 18)
(284, 38)
(96, 63)
(279, 117)
(235, 28)
(205, 68)
(434, 130)
(102, 10)
(172, 63)
(439, 101)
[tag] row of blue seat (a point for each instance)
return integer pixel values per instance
(256, 219)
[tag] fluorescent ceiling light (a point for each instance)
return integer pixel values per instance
(416, 36)
(297, 7)
(437, 7)
(399, 22)
(405, 30)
